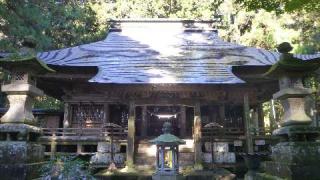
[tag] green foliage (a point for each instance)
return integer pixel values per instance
(47, 102)
(281, 6)
(188, 9)
(53, 25)
(65, 167)
(254, 23)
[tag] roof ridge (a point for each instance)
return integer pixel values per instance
(163, 20)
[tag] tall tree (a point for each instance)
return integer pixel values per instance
(54, 25)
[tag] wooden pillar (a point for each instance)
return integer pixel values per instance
(222, 114)
(66, 117)
(260, 117)
(272, 117)
(255, 120)
(79, 148)
(197, 135)
(53, 149)
(106, 116)
(183, 122)
(144, 124)
(157, 157)
(131, 135)
(247, 123)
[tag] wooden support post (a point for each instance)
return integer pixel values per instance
(79, 149)
(106, 116)
(272, 117)
(53, 149)
(197, 136)
(261, 118)
(222, 114)
(66, 118)
(144, 125)
(183, 121)
(255, 121)
(131, 135)
(247, 123)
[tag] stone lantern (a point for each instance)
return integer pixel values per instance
(18, 127)
(297, 155)
(167, 157)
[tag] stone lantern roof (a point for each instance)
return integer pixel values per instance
(29, 62)
(26, 59)
(167, 138)
(290, 65)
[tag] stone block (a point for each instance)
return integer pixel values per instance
(296, 152)
(12, 152)
(167, 177)
(219, 157)
(292, 171)
(119, 158)
(106, 158)
(105, 147)
(294, 160)
(217, 146)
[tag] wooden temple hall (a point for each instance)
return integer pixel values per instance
(121, 90)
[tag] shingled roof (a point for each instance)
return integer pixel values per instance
(141, 52)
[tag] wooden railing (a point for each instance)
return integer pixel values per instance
(217, 131)
(208, 132)
(116, 132)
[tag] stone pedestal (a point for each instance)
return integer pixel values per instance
(295, 160)
(105, 155)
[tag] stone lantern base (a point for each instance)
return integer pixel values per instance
(20, 154)
(297, 156)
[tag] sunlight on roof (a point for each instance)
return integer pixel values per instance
(161, 39)
(162, 76)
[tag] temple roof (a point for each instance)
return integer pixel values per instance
(142, 52)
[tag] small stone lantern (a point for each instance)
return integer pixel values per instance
(167, 159)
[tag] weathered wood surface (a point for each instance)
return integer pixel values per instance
(116, 132)
(170, 53)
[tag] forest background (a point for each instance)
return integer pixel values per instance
(63, 23)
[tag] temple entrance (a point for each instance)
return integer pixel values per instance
(158, 115)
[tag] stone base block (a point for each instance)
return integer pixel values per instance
(295, 160)
(104, 159)
(20, 171)
(296, 153)
(105, 147)
(167, 177)
(292, 171)
(12, 152)
(219, 157)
